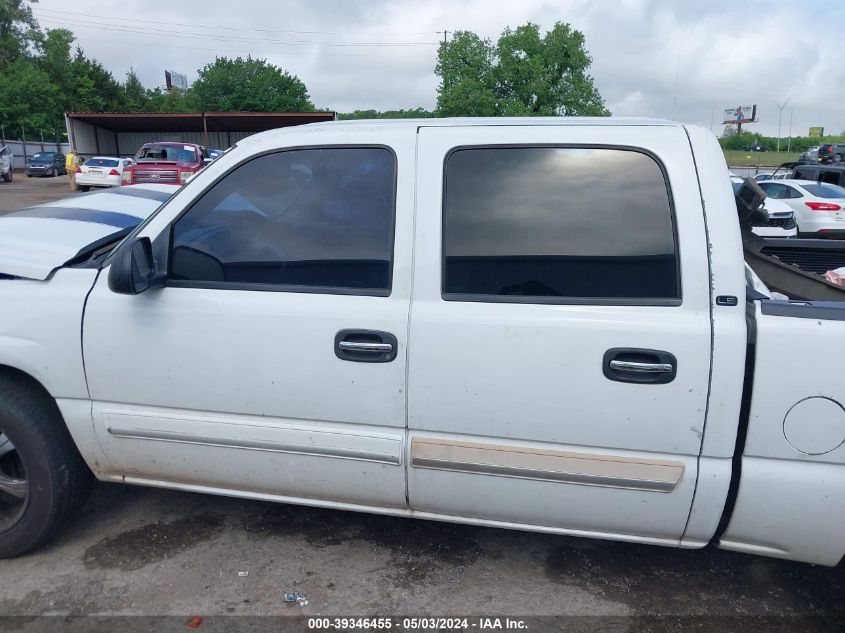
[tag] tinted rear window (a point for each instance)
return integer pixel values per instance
(557, 223)
(823, 190)
(102, 162)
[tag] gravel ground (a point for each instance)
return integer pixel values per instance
(139, 551)
(23, 192)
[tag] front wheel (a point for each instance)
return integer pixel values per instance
(43, 479)
(837, 158)
(84, 188)
(54, 173)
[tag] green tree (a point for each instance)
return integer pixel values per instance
(134, 95)
(411, 113)
(248, 85)
(28, 98)
(159, 100)
(105, 93)
(18, 30)
(467, 80)
(84, 85)
(523, 74)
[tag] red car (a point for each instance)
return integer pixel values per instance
(166, 163)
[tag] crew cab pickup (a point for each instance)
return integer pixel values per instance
(165, 163)
(439, 319)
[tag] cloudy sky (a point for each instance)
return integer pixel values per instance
(381, 53)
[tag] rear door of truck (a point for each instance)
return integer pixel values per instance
(790, 500)
(560, 331)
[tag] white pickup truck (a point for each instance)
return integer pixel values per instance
(541, 324)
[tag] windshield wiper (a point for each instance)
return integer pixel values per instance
(95, 250)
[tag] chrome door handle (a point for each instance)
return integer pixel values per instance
(653, 368)
(355, 346)
(365, 346)
(639, 366)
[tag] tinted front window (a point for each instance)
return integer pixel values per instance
(558, 223)
(302, 218)
(43, 158)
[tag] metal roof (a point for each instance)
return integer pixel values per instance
(198, 121)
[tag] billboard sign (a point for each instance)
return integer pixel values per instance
(816, 131)
(740, 114)
(175, 81)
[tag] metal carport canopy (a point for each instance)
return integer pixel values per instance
(106, 126)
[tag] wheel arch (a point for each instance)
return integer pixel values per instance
(73, 414)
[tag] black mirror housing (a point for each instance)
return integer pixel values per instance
(134, 270)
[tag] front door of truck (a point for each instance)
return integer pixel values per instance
(273, 362)
(560, 328)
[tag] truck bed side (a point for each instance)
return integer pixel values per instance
(791, 496)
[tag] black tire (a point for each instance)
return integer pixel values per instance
(54, 173)
(837, 158)
(57, 479)
(28, 175)
(84, 188)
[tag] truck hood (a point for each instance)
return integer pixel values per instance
(37, 240)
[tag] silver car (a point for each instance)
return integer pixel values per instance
(810, 154)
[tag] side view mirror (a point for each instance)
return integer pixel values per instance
(133, 270)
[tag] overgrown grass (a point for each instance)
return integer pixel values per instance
(740, 158)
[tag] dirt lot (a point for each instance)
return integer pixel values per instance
(23, 192)
(144, 551)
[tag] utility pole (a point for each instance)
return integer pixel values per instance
(789, 142)
(445, 33)
(780, 115)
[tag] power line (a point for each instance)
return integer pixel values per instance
(227, 38)
(258, 52)
(62, 14)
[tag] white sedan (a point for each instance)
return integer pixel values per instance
(819, 206)
(101, 171)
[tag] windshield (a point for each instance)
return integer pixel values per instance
(823, 190)
(182, 153)
(43, 157)
(102, 162)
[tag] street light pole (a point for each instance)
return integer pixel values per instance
(780, 115)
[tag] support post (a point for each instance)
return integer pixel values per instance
(204, 130)
(23, 144)
(71, 136)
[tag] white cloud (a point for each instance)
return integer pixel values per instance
(759, 53)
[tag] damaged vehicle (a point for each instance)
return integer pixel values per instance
(436, 319)
(6, 169)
